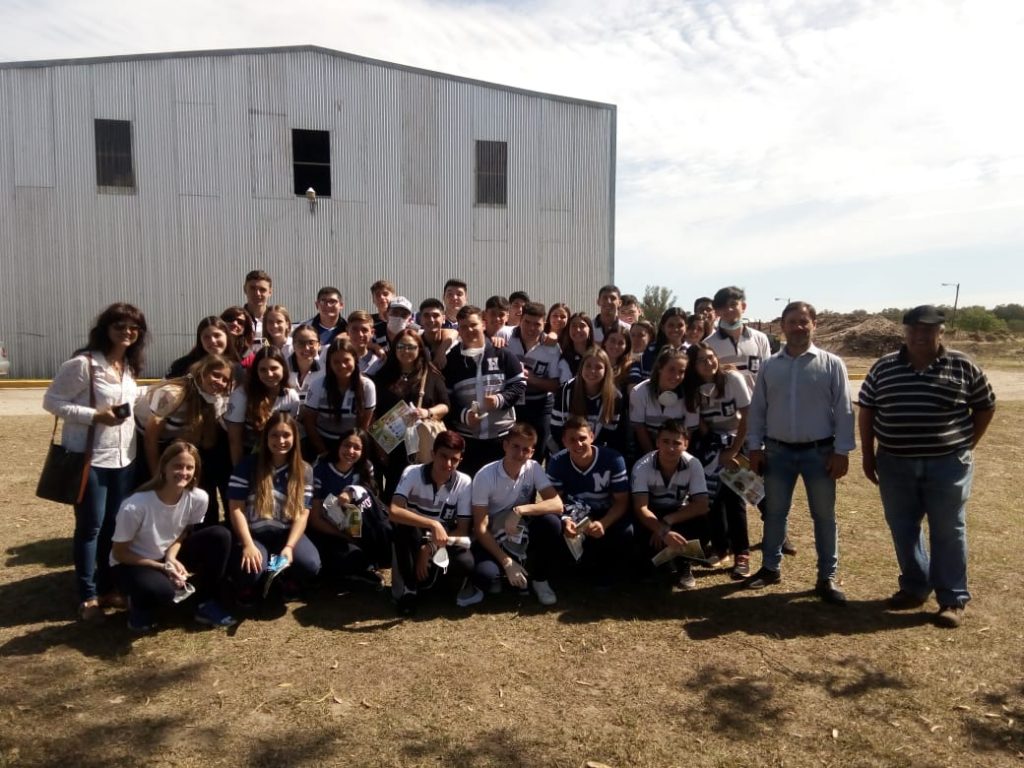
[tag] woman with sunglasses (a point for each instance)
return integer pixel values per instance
(406, 369)
(241, 333)
(94, 393)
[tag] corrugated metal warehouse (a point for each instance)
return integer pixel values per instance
(162, 179)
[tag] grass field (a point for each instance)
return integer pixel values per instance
(640, 677)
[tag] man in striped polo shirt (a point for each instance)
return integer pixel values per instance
(926, 407)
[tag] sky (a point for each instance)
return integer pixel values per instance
(856, 154)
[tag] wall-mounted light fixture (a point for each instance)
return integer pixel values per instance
(311, 197)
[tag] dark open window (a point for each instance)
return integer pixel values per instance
(311, 154)
(114, 154)
(492, 172)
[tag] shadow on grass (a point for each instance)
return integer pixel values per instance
(37, 599)
(51, 553)
(723, 609)
(997, 734)
(88, 727)
(500, 746)
(109, 639)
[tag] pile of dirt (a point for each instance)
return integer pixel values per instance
(872, 337)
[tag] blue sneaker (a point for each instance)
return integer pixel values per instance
(212, 614)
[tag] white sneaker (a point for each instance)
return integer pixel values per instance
(545, 594)
(469, 595)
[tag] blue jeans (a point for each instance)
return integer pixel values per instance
(935, 487)
(783, 466)
(95, 517)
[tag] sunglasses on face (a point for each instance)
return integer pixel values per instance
(126, 327)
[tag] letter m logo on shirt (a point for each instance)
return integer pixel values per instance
(602, 480)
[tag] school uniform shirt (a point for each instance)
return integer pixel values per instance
(644, 408)
(287, 401)
(746, 354)
(604, 434)
(152, 526)
(301, 387)
(240, 488)
(327, 333)
(328, 479)
(542, 362)
(493, 372)
(68, 398)
(494, 489)
(592, 486)
(448, 503)
(599, 331)
(370, 363)
(330, 423)
(721, 412)
(665, 495)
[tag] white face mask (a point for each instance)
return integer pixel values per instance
(473, 352)
(668, 398)
(397, 324)
(730, 326)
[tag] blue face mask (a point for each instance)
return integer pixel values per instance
(730, 326)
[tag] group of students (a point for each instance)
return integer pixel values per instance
(560, 441)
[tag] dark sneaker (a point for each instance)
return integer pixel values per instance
(407, 604)
(950, 616)
(788, 548)
(827, 590)
(741, 569)
(212, 614)
(764, 577)
(140, 621)
(369, 580)
(684, 575)
(904, 601)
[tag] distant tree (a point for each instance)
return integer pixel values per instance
(893, 313)
(1009, 312)
(657, 298)
(978, 319)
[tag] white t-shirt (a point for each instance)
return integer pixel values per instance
(152, 526)
(495, 490)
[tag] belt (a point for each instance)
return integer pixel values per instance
(802, 446)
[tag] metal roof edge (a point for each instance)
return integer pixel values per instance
(223, 52)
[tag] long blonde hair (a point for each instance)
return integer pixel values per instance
(200, 416)
(159, 479)
(263, 478)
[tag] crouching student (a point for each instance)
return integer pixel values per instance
(670, 500)
(269, 497)
(504, 514)
(594, 488)
(156, 558)
(352, 532)
(431, 504)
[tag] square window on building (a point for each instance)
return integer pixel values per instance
(311, 155)
(492, 172)
(114, 154)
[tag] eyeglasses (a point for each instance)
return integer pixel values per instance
(406, 347)
(126, 327)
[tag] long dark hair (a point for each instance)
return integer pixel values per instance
(668, 314)
(259, 399)
(362, 466)
(392, 369)
(691, 378)
(240, 343)
(197, 352)
(335, 395)
(99, 335)
(565, 341)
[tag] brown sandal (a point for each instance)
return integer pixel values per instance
(113, 600)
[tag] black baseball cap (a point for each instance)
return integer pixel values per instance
(926, 314)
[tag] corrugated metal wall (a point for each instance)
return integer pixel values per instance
(214, 198)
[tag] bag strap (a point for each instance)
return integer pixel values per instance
(92, 404)
(423, 386)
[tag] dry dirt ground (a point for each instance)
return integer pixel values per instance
(639, 677)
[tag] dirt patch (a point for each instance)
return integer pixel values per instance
(872, 337)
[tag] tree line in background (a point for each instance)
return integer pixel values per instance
(1005, 317)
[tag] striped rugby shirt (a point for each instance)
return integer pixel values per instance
(929, 412)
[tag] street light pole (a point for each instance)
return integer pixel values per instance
(956, 297)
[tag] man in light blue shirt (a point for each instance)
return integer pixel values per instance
(801, 425)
